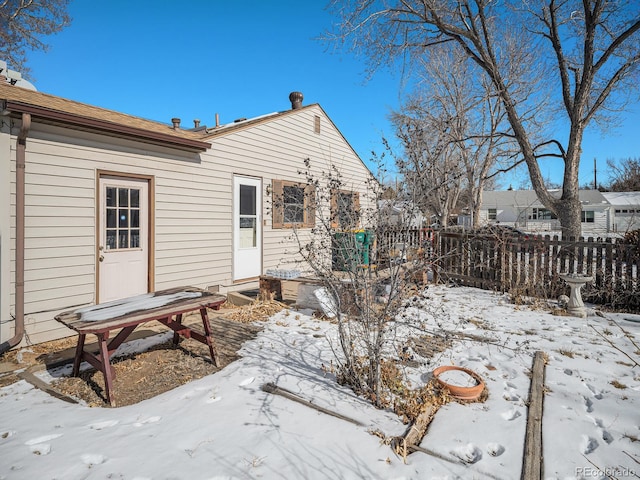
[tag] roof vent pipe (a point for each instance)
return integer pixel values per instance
(217, 120)
(296, 100)
(176, 123)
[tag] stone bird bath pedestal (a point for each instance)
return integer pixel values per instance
(575, 282)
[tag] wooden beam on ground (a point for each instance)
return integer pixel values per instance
(532, 463)
(418, 429)
(283, 392)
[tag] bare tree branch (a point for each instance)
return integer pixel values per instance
(552, 60)
(23, 23)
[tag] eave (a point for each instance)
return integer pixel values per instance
(110, 128)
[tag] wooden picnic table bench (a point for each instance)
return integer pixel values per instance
(165, 306)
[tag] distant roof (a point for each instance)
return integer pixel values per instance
(622, 198)
(528, 198)
(592, 196)
(525, 198)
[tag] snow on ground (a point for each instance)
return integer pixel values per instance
(225, 427)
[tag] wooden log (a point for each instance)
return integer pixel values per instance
(283, 392)
(532, 463)
(418, 429)
(29, 377)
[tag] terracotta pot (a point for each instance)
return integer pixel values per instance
(468, 394)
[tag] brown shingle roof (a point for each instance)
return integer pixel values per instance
(60, 110)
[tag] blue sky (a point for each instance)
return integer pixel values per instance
(160, 59)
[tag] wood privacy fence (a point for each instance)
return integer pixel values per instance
(403, 243)
(532, 265)
(527, 265)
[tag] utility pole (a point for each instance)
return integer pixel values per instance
(595, 174)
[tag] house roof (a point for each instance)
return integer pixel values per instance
(212, 132)
(521, 198)
(592, 197)
(623, 198)
(528, 198)
(57, 110)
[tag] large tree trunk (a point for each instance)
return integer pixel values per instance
(569, 214)
(568, 207)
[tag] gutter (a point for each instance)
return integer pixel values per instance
(21, 147)
(108, 127)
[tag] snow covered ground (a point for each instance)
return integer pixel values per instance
(225, 427)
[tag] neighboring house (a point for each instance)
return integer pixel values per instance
(523, 210)
(626, 210)
(404, 214)
(98, 205)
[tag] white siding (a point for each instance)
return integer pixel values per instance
(599, 225)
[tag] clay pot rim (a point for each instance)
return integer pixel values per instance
(462, 393)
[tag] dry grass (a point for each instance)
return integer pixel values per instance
(259, 311)
(618, 384)
(567, 353)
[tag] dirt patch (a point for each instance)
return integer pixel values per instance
(161, 368)
(144, 375)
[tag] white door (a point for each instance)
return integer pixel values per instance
(247, 227)
(123, 252)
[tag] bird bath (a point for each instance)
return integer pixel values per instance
(575, 282)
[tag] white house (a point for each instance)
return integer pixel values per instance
(626, 210)
(401, 213)
(523, 210)
(98, 205)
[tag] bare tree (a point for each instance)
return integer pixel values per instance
(431, 164)
(586, 53)
(625, 175)
(340, 251)
(23, 23)
(485, 146)
(453, 134)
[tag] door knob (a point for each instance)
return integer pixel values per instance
(101, 258)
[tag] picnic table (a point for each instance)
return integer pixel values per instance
(165, 306)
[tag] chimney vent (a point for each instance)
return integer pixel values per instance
(176, 123)
(296, 100)
(196, 123)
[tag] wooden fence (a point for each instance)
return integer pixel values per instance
(532, 265)
(403, 243)
(528, 265)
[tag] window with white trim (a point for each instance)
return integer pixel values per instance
(588, 216)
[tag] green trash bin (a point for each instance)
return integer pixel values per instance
(367, 243)
(351, 249)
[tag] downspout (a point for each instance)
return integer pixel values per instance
(21, 148)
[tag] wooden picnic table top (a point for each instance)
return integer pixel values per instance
(134, 310)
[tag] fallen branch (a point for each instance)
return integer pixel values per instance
(636, 364)
(440, 456)
(598, 469)
(283, 392)
(29, 377)
(628, 335)
(410, 441)
(418, 429)
(628, 455)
